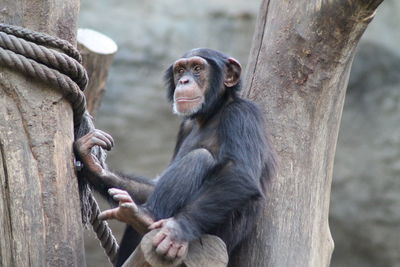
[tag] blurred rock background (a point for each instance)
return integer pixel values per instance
(365, 206)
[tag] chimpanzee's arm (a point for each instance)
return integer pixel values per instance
(102, 179)
(138, 187)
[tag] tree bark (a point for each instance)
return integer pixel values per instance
(298, 72)
(97, 52)
(40, 220)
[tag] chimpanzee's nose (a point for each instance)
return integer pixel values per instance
(184, 80)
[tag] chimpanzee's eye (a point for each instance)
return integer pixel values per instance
(197, 68)
(181, 70)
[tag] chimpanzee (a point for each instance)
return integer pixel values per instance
(215, 181)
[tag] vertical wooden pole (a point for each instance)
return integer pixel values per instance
(40, 221)
(298, 71)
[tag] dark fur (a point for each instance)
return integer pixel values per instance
(216, 178)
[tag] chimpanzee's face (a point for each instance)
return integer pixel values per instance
(191, 76)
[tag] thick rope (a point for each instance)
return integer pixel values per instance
(31, 68)
(30, 53)
(46, 56)
(42, 39)
(103, 231)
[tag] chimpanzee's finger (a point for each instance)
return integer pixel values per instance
(109, 137)
(158, 238)
(86, 137)
(108, 214)
(83, 144)
(164, 246)
(182, 250)
(157, 224)
(116, 191)
(173, 251)
(122, 198)
(129, 205)
(94, 141)
(99, 135)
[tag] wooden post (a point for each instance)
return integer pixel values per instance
(97, 52)
(298, 72)
(209, 251)
(40, 220)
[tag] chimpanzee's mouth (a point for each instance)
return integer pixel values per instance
(187, 99)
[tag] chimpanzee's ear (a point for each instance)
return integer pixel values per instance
(233, 71)
(169, 83)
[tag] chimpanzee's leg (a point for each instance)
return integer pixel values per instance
(129, 242)
(179, 182)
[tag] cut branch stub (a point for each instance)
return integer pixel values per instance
(97, 52)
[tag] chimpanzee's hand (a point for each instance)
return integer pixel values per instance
(84, 145)
(127, 212)
(168, 241)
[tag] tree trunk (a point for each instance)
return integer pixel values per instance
(97, 52)
(40, 220)
(298, 72)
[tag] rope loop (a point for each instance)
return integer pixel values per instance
(19, 51)
(42, 39)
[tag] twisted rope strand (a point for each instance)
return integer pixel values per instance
(46, 56)
(29, 67)
(42, 39)
(103, 231)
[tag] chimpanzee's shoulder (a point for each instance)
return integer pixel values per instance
(243, 111)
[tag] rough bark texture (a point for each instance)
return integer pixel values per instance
(298, 72)
(209, 251)
(97, 55)
(40, 221)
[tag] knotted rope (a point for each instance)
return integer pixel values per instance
(58, 63)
